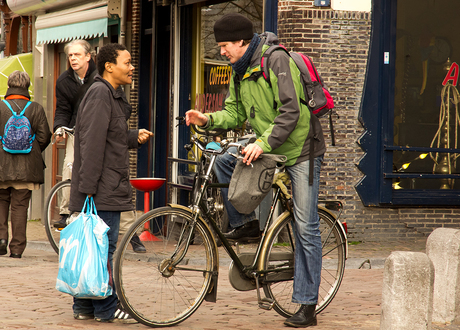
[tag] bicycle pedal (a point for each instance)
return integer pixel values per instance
(266, 303)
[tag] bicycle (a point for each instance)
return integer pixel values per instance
(166, 285)
(60, 190)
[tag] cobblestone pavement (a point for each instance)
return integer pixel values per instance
(29, 299)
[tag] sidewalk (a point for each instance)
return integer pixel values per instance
(30, 301)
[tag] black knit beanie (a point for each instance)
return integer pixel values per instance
(233, 27)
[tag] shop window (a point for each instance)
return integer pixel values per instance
(215, 71)
(207, 85)
(415, 53)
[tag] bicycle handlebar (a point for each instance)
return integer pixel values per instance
(224, 144)
(63, 129)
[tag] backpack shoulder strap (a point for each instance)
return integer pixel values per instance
(9, 106)
(14, 113)
(302, 65)
(27, 104)
(23, 110)
(264, 61)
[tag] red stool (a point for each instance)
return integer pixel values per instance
(147, 185)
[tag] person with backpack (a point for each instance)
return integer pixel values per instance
(283, 125)
(24, 134)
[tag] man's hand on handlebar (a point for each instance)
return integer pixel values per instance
(61, 133)
(251, 152)
(59, 137)
(194, 117)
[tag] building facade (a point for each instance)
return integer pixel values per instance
(390, 66)
(393, 164)
(393, 74)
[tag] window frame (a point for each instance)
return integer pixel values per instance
(376, 115)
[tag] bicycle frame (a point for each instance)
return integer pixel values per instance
(199, 207)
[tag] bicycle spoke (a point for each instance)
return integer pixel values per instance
(280, 289)
(332, 249)
(54, 207)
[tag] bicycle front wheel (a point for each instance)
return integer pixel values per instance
(279, 261)
(154, 289)
(53, 211)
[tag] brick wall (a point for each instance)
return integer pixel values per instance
(338, 42)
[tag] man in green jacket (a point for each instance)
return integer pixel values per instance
(282, 126)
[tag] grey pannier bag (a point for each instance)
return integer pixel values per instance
(250, 184)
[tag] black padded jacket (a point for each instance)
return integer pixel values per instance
(102, 140)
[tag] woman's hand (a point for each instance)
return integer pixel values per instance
(144, 136)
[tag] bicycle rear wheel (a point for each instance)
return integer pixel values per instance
(280, 258)
(153, 291)
(52, 211)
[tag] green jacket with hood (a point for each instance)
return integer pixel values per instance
(281, 122)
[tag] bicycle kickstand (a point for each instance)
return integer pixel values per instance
(264, 303)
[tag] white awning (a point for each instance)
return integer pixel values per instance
(84, 30)
(37, 7)
(87, 21)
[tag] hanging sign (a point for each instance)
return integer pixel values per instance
(452, 75)
(209, 102)
(217, 81)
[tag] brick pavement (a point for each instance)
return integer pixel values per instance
(30, 301)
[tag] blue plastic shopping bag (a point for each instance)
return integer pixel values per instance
(83, 256)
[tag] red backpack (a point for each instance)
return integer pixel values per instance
(319, 101)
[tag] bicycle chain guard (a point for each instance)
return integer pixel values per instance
(237, 280)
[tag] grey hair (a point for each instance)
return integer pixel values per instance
(85, 44)
(18, 79)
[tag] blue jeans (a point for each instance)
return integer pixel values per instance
(103, 308)
(308, 252)
(223, 169)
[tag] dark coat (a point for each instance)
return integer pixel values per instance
(25, 167)
(67, 88)
(101, 158)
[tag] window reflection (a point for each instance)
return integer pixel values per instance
(216, 71)
(426, 109)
